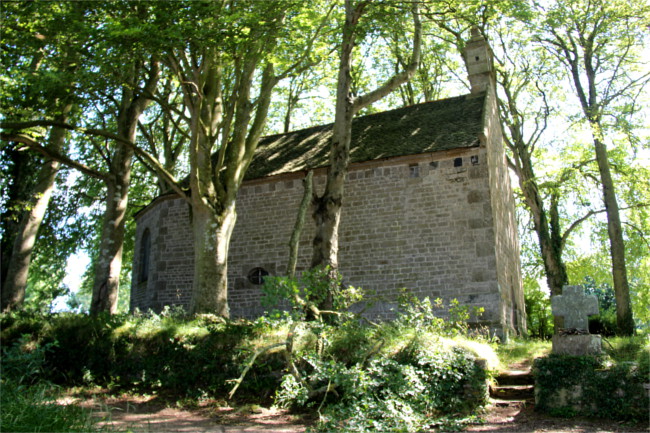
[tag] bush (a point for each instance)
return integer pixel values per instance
(403, 375)
(146, 352)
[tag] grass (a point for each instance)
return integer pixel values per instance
(618, 349)
(522, 351)
(33, 409)
(626, 349)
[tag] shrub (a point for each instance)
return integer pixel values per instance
(406, 390)
(145, 352)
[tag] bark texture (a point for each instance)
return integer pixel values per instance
(624, 319)
(294, 242)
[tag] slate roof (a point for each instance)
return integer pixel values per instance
(423, 128)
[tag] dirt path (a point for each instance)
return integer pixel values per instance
(147, 415)
(527, 420)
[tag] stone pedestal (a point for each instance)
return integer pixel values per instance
(578, 345)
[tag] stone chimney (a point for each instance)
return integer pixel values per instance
(479, 62)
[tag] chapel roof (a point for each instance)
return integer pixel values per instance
(423, 128)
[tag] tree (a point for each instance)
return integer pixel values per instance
(599, 43)
(327, 207)
(25, 95)
(523, 76)
(129, 102)
(225, 55)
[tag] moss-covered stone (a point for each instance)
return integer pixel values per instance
(581, 385)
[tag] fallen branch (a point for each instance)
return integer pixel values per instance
(250, 364)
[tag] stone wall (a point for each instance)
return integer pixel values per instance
(425, 225)
(171, 269)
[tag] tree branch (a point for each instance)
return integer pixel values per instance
(53, 154)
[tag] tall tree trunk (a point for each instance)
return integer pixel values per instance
(108, 266)
(211, 232)
(548, 233)
(624, 319)
(327, 207)
(15, 283)
(109, 262)
(17, 272)
(18, 192)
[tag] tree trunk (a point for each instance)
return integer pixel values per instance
(327, 208)
(22, 172)
(294, 242)
(549, 236)
(15, 283)
(17, 272)
(109, 262)
(211, 233)
(624, 319)
(108, 266)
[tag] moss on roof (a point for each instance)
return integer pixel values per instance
(430, 127)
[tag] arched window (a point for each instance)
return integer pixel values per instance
(145, 253)
(256, 276)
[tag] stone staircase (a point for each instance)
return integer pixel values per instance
(513, 388)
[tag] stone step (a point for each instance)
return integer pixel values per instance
(514, 404)
(513, 392)
(515, 377)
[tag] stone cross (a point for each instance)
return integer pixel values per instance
(575, 306)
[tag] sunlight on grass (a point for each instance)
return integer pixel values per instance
(521, 351)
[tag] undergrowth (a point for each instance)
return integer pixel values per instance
(416, 372)
(28, 401)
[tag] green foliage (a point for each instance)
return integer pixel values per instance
(591, 387)
(425, 315)
(145, 352)
(309, 290)
(539, 318)
(397, 376)
(407, 392)
(27, 401)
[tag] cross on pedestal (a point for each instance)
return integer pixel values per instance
(575, 306)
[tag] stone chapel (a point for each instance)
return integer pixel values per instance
(428, 207)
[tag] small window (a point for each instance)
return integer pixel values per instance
(256, 276)
(414, 170)
(458, 162)
(433, 164)
(145, 253)
(474, 159)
